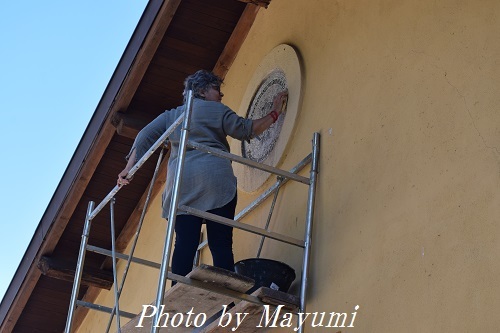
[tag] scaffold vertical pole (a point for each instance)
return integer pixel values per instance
(309, 220)
(136, 236)
(173, 209)
(115, 271)
(79, 268)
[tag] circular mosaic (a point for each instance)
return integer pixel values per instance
(262, 103)
(279, 70)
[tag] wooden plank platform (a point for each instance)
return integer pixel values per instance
(183, 299)
(251, 322)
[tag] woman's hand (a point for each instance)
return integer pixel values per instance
(121, 178)
(279, 102)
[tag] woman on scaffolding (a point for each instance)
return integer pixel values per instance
(208, 181)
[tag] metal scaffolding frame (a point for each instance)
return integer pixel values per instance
(165, 274)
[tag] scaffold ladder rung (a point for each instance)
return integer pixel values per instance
(122, 256)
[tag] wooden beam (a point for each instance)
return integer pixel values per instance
(58, 269)
(128, 124)
(146, 54)
(237, 38)
(261, 3)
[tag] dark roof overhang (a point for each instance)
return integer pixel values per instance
(172, 39)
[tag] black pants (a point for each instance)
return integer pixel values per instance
(187, 239)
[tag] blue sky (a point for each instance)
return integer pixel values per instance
(55, 62)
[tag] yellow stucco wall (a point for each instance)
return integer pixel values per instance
(405, 96)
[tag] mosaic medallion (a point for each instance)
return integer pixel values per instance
(279, 70)
(259, 148)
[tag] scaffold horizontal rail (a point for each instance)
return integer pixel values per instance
(103, 308)
(246, 161)
(138, 165)
(243, 226)
(109, 253)
(276, 186)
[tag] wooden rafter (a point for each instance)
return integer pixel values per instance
(261, 3)
(237, 38)
(66, 271)
(128, 124)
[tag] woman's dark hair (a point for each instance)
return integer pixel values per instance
(199, 82)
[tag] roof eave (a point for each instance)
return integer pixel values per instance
(50, 225)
